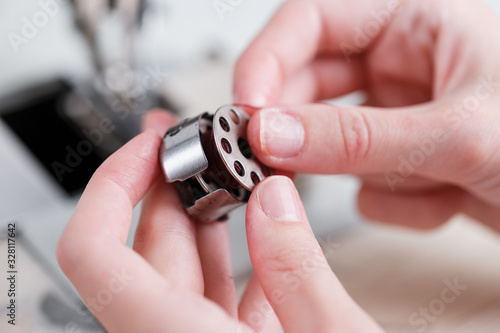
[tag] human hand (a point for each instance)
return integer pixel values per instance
(178, 276)
(426, 144)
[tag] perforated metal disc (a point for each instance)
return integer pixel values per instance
(230, 135)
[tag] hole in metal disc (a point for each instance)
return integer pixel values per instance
(240, 170)
(245, 148)
(234, 117)
(224, 124)
(255, 177)
(226, 146)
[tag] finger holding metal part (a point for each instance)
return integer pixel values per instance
(210, 161)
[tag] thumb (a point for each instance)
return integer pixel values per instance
(291, 268)
(326, 139)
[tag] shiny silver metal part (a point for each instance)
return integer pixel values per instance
(182, 154)
(209, 160)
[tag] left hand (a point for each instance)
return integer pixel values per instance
(178, 276)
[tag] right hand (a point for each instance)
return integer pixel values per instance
(426, 144)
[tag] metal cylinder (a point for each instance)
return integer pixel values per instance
(210, 161)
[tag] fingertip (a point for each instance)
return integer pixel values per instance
(274, 200)
(279, 200)
(134, 166)
(275, 216)
(158, 120)
(256, 78)
(253, 134)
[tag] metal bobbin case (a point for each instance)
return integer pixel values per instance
(210, 162)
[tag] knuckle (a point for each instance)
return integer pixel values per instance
(61, 255)
(140, 238)
(74, 253)
(356, 135)
(473, 154)
(176, 233)
(325, 324)
(69, 253)
(289, 259)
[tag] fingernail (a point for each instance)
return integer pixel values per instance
(279, 199)
(281, 135)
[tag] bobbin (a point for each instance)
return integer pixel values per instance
(209, 160)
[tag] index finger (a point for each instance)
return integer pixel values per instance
(92, 251)
(115, 188)
(301, 31)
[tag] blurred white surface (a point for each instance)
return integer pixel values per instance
(175, 33)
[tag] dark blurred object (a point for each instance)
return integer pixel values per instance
(59, 313)
(71, 131)
(36, 115)
(120, 88)
(73, 125)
